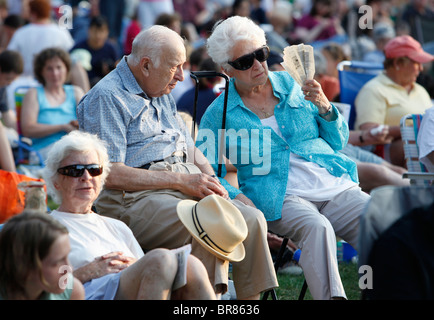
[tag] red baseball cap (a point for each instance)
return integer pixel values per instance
(406, 46)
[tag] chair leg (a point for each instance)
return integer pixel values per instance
(277, 265)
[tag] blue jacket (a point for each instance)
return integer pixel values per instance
(260, 155)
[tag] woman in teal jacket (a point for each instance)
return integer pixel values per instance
(283, 140)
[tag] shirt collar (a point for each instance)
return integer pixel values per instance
(128, 79)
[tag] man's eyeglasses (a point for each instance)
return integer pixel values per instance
(77, 170)
(246, 62)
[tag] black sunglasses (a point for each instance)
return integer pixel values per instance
(246, 62)
(77, 170)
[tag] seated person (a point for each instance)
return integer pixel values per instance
(287, 161)
(155, 164)
(205, 95)
(373, 171)
(104, 55)
(49, 111)
(394, 93)
(11, 66)
(105, 256)
(34, 264)
(425, 140)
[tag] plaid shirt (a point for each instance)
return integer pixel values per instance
(137, 129)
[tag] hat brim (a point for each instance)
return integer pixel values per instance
(421, 57)
(184, 210)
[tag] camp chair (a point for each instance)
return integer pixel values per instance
(212, 74)
(352, 76)
(417, 172)
(24, 150)
(386, 206)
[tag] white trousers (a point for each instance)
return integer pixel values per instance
(313, 227)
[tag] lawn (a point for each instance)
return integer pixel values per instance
(290, 285)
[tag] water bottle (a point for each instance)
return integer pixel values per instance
(33, 158)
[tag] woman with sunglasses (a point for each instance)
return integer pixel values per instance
(283, 140)
(105, 256)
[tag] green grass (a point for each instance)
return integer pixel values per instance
(290, 285)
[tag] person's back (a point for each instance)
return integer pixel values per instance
(39, 34)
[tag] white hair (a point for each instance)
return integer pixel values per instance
(226, 33)
(75, 141)
(151, 42)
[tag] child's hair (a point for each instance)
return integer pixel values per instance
(25, 240)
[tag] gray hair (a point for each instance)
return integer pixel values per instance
(151, 42)
(226, 33)
(75, 141)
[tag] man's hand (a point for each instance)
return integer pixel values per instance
(201, 185)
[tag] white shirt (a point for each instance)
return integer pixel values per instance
(31, 39)
(307, 179)
(92, 235)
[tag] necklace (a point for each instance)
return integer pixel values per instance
(260, 111)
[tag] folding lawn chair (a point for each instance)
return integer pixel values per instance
(352, 76)
(417, 172)
(24, 153)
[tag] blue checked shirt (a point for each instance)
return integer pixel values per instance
(137, 129)
(260, 155)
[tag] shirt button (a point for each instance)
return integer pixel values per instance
(310, 157)
(287, 147)
(283, 127)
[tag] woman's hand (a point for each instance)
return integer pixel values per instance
(112, 262)
(313, 92)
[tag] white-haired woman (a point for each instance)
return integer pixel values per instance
(290, 167)
(105, 256)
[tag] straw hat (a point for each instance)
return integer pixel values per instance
(216, 224)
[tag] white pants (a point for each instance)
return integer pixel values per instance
(313, 227)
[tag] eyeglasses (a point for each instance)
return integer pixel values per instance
(77, 170)
(246, 62)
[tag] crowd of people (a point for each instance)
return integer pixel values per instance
(109, 105)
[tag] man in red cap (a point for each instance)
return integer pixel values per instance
(394, 93)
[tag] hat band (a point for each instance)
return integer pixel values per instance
(202, 233)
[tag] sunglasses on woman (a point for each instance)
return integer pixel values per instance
(246, 62)
(77, 170)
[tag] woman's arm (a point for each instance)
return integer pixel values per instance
(113, 262)
(6, 158)
(29, 119)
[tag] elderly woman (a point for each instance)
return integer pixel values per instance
(394, 93)
(34, 264)
(49, 111)
(287, 161)
(105, 256)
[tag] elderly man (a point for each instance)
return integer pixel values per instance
(155, 164)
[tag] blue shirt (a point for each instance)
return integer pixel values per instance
(137, 129)
(260, 155)
(61, 114)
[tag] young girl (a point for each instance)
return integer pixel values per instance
(34, 264)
